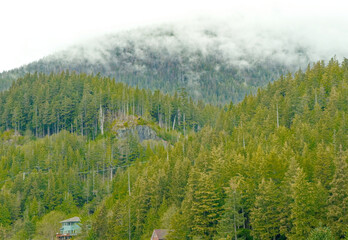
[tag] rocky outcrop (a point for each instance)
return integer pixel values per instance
(142, 132)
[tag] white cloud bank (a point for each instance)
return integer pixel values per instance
(32, 29)
(239, 40)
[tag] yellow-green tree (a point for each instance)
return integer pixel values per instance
(338, 199)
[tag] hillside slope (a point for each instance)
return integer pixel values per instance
(45, 104)
(273, 166)
(213, 63)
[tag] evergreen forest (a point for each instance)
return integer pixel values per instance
(161, 58)
(272, 166)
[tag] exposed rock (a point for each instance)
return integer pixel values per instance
(143, 132)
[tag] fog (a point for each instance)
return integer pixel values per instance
(239, 40)
(281, 29)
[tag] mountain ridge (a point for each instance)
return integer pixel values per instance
(213, 64)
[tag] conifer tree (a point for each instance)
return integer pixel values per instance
(233, 217)
(321, 233)
(100, 225)
(324, 167)
(307, 206)
(118, 224)
(265, 214)
(5, 216)
(286, 198)
(338, 199)
(205, 207)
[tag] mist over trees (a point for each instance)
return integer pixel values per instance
(212, 63)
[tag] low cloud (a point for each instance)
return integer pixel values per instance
(240, 41)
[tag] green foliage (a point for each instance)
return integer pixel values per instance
(5, 216)
(306, 207)
(265, 214)
(49, 225)
(233, 217)
(88, 104)
(286, 147)
(338, 198)
(205, 207)
(321, 233)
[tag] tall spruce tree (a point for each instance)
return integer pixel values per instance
(233, 217)
(205, 207)
(265, 213)
(338, 199)
(286, 198)
(307, 208)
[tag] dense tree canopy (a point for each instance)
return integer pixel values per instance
(271, 167)
(45, 104)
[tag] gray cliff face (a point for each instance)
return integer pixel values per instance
(141, 131)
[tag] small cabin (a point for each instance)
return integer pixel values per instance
(70, 227)
(159, 234)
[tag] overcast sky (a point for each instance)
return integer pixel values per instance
(33, 29)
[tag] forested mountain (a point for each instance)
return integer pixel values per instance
(45, 104)
(213, 66)
(273, 166)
